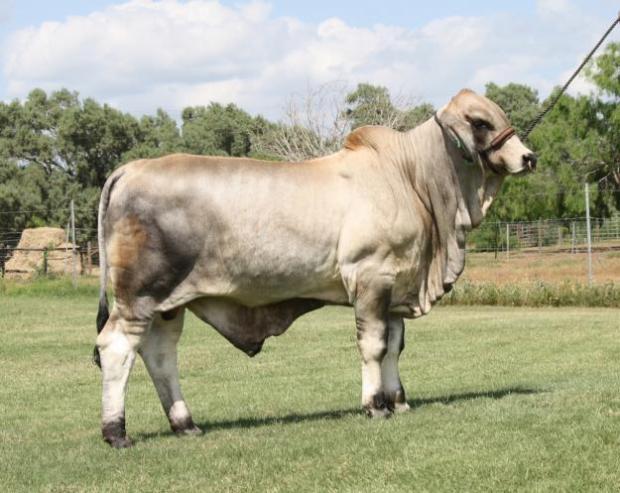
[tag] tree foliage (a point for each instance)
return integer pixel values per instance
(56, 147)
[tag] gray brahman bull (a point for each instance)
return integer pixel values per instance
(249, 246)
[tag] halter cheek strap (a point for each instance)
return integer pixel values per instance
(456, 140)
(499, 140)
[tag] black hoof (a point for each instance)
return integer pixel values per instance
(377, 413)
(189, 432)
(185, 427)
(378, 408)
(114, 434)
(120, 442)
(396, 401)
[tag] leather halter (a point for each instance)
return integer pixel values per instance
(499, 140)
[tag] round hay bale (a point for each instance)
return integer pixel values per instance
(28, 258)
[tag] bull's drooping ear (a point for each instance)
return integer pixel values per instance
(459, 129)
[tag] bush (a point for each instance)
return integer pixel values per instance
(50, 286)
(535, 295)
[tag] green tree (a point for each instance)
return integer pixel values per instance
(218, 130)
(519, 102)
(157, 136)
(604, 71)
(82, 139)
(373, 105)
(415, 116)
(369, 105)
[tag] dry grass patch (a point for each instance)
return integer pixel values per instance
(550, 268)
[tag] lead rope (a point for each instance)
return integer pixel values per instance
(555, 100)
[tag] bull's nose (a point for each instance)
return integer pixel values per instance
(529, 161)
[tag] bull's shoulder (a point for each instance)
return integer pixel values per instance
(370, 136)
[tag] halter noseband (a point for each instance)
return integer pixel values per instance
(499, 140)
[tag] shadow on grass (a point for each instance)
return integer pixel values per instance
(339, 414)
(470, 396)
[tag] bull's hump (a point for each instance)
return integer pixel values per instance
(369, 137)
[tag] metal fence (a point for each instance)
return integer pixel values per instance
(546, 236)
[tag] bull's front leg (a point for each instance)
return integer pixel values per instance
(392, 386)
(371, 318)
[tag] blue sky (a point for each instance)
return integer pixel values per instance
(364, 13)
(143, 54)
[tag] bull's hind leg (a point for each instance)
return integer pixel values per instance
(117, 344)
(159, 353)
(392, 386)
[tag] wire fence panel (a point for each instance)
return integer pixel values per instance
(545, 236)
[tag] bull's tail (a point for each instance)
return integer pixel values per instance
(103, 313)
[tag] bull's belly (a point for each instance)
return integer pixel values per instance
(254, 291)
(263, 293)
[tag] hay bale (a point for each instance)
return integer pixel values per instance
(28, 258)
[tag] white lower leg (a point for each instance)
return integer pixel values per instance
(373, 400)
(373, 351)
(118, 354)
(159, 353)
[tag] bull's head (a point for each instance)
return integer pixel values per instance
(482, 132)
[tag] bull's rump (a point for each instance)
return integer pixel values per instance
(252, 231)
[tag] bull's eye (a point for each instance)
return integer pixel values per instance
(480, 124)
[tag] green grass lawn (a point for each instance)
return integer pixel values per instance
(503, 399)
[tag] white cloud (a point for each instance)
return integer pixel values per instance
(553, 7)
(145, 54)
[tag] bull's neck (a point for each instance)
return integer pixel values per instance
(436, 157)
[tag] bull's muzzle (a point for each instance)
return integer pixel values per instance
(529, 161)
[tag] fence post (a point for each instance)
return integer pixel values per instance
(539, 235)
(588, 234)
(73, 252)
(89, 258)
(573, 247)
(597, 230)
(65, 270)
(507, 241)
(45, 250)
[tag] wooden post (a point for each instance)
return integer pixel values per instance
(66, 259)
(89, 258)
(573, 247)
(507, 241)
(540, 235)
(589, 235)
(597, 231)
(74, 259)
(45, 250)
